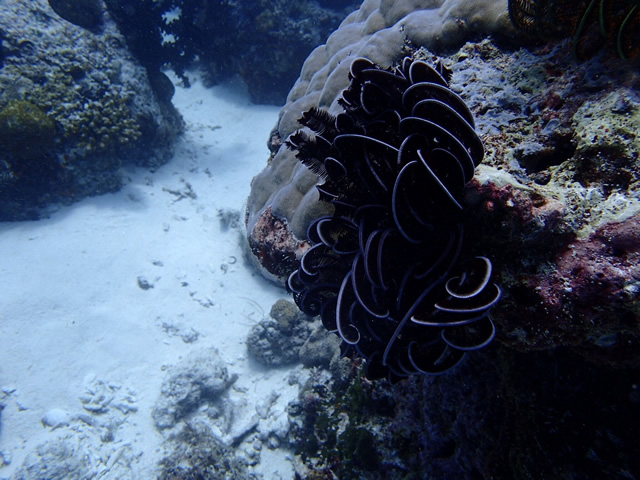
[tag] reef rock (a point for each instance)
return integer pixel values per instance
(74, 108)
(277, 340)
(195, 453)
(555, 203)
(562, 417)
(320, 348)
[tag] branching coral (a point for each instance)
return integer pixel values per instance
(387, 270)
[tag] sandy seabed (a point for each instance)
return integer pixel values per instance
(98, 301)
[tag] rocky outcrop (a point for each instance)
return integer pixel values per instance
(74, 108)
(554, 204)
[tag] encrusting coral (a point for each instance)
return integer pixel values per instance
(25, 130)
(388, 270)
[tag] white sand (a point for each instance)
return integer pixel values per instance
(72, 315)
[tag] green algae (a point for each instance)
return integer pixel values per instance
(87, 100)
(25, 129)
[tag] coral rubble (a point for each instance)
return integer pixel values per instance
(199, 379)
(197, 454)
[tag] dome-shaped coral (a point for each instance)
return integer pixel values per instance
(382, 31)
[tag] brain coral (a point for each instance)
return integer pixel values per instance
(382, 31)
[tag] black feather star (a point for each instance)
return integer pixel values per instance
(386, 271)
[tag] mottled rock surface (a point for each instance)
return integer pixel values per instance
(276, 340)
(74, 108)
(556, 203)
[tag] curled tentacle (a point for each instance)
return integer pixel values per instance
(387, 271)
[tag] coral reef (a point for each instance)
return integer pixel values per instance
(561, 170)
(226, 38)
(338, 432)
(554, 204)
(560, 417)
(561, 163)
(388, 270)
(382, 31)
(95, 109)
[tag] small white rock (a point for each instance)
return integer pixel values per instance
(56, 418)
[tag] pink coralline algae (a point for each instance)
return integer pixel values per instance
(602, 267)
(594, 292)
(275, 247)
(529, 213)
(561, 288)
